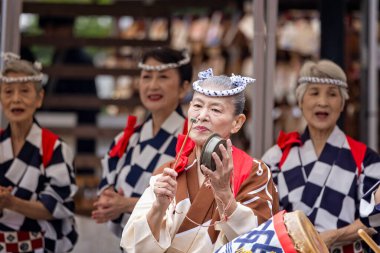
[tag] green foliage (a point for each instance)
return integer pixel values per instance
(93, 27)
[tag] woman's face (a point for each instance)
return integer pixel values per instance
(321, 106)
(213, 115)
(19, 100)
(160, 91)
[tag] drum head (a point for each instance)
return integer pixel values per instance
(305, 238)
(212, 145)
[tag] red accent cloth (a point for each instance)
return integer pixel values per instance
(187, 149)
(185, 127)
(242, 168)
(282, 233)
(286, 141)
(348, 248)
(358, 150)
(121, 145)
(48, 142)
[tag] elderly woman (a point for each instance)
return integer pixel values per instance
(191, 208)
(323, 172)
(127, 167)
(37, 182)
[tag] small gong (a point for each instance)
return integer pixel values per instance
(212, 145)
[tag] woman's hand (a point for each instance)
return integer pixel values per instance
(345, 235)
(377, 196)
(329, 237)
(5, 197)
(220, 179)
(110, 205)
(165, 188)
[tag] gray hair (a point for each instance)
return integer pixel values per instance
(224, 83)
(322, 69)
(14, 65)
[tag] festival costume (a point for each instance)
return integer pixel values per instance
(254, 191)
(133, 156)
(42, 171)
(327, 189)
(369, 210)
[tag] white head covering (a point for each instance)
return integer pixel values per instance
(239, 83)
(11, 58)
(319, 80)
(171, 65)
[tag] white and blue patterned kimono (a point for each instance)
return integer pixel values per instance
(327, 188)
(54, 186)
(132, 171)
(369, 210)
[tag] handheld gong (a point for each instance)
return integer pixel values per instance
(212, 145)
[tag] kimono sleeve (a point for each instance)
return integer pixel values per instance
(371, 172)
(60, 187)
(369, 210)
(272, 159)
(257, 202)
(110, 167)
(259, 193)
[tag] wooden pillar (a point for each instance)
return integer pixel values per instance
(10, 32)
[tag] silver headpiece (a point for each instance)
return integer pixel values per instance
(239, 83)
(9, 57)
(318, 80)
(172, 65)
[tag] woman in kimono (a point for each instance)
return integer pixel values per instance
(323, 172)
(190, 208)
(370, 208)
(127, 167)
(37, 181)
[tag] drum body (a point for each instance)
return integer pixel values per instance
(283, 233)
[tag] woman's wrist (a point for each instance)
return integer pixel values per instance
(226, 204)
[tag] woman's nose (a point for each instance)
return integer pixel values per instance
(322, 100)
(203, 115)
(16, 96)
(153, 83)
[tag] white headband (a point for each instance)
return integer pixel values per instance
(8, 57)
(172, 65)
(312, 79)
(239, 82)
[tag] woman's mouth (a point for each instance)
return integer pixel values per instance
(201, 128)
(322, 115)
(154, 97)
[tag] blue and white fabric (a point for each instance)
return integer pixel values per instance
(369, 210)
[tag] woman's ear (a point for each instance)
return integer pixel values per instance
(40, 97)
(238, 123)
(183, 89)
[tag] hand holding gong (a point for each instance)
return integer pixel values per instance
(217, 163)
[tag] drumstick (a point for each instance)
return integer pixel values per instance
(192, 121)
(368, 240)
